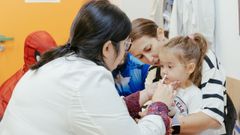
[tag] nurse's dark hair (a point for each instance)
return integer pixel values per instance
(97, 22)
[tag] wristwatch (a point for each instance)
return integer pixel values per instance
(175, 125)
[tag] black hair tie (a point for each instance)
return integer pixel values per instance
(68, 46)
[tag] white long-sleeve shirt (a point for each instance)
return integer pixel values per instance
(72, 96)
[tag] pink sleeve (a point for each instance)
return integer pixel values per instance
(161, 109)
(132, 102)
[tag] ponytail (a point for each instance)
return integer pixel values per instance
(201, 42)
(52, 54)
(193, 47)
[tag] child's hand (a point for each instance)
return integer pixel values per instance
(172, 110)
(164, 93)
(151, 89)
(175, 84)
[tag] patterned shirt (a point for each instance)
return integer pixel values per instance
(131, 76)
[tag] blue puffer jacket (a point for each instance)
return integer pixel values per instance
(130, 77)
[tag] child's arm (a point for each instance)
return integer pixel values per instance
(197, 122)
(214, 99)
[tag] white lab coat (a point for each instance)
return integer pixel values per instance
(71, 95)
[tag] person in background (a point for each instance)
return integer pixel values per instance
(71, 89)
(147, 39)
(35, 44)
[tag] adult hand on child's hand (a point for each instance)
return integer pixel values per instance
(147, 93)
(164, 93)
(151, 89)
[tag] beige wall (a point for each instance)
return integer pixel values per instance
(18, 19)
(233, 89)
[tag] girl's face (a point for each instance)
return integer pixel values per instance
(147, 50)
(173, 68)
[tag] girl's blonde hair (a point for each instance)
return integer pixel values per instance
(192, 47)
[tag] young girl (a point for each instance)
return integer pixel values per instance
(181, 60)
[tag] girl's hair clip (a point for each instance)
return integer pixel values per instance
(68, 45)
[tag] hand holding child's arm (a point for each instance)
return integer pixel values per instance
(197, 122)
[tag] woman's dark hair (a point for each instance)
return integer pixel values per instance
(96, 23)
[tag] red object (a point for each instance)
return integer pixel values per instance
(35, 44)
(132, 102)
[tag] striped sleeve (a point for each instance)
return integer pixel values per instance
(213, 88)
(154, 75)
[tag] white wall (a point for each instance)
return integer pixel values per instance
(135, 8)
(227, 36)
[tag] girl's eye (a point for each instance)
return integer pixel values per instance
(169, 67)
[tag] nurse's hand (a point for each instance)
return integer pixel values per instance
(148, 92)
(164, 93)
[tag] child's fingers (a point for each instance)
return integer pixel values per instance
(175, 84)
